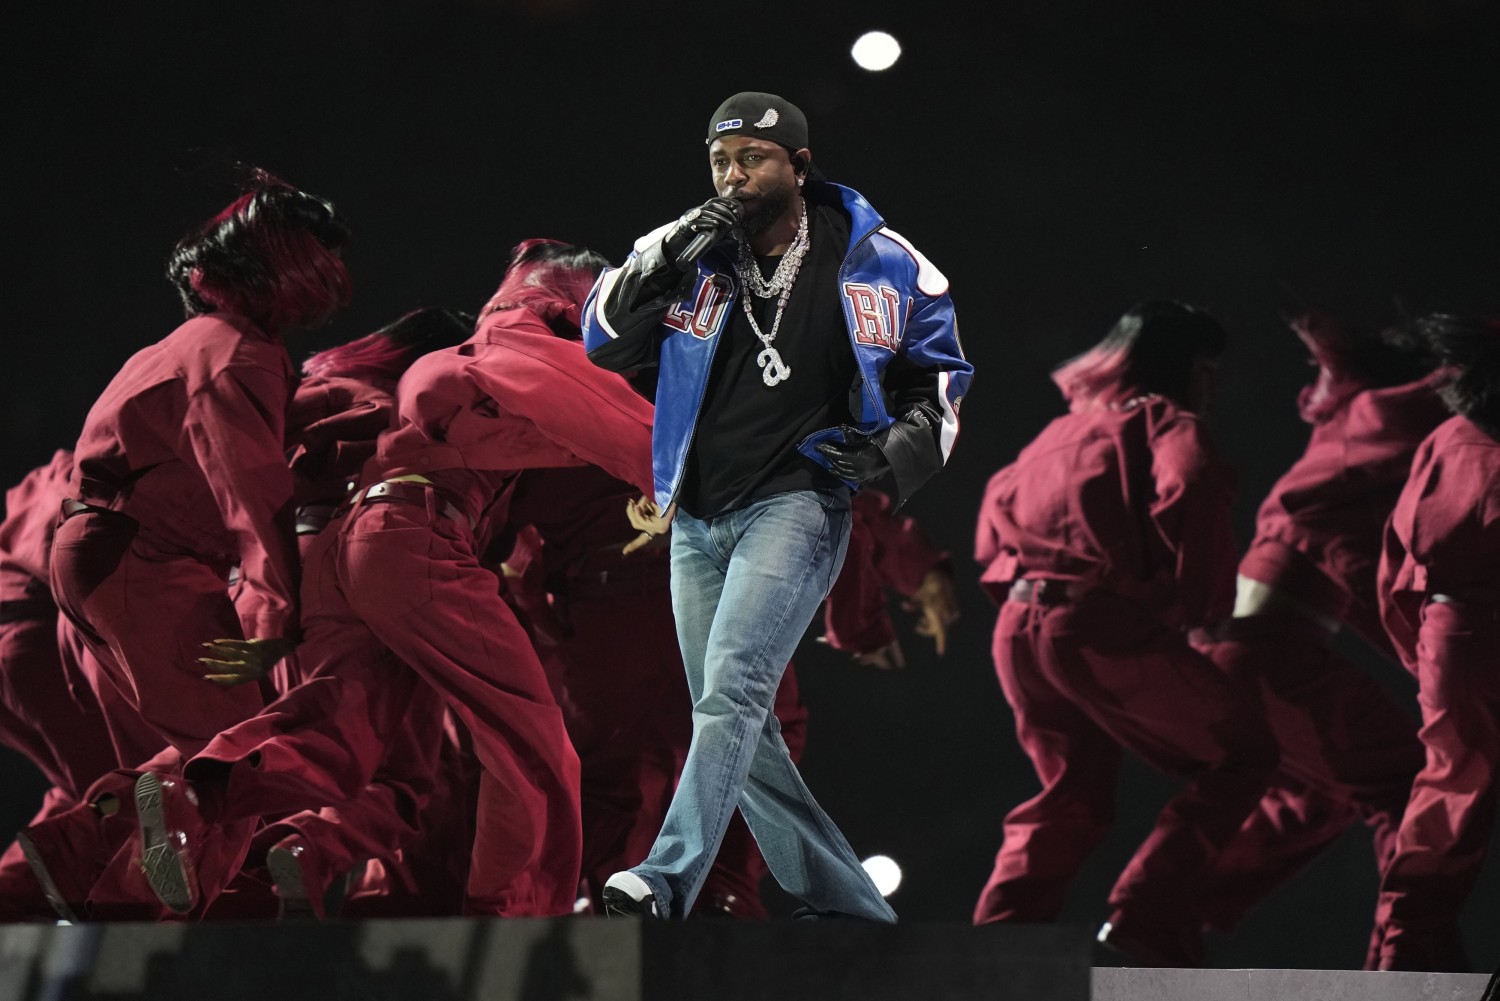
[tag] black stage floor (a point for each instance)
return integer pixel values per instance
(598, 960)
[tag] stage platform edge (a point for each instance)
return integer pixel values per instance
(1116, 984)
(454, 959)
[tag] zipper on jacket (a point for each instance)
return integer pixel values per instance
(703, 388)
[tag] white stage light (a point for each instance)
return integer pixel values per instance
(885, 872)
(875, 50)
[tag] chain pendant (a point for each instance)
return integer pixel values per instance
(773, 369)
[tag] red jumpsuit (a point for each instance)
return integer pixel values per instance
(1348, 751)
(887, 552)
(1439, 586)
(397, 602)
(181, 464)
(607, 634)
(47, 711)
(332, 430)
(1124, 512)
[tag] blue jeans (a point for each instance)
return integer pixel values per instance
(745, 585)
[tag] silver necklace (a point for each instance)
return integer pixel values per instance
(773, 370)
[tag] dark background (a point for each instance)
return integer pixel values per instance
(1057, 160)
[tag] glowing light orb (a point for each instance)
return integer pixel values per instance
(885, 872)
(875, 51)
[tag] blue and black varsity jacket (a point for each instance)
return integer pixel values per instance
(896, 306)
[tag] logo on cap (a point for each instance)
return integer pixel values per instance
(732, 123)
(769, 119)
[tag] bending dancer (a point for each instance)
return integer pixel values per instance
(1348, 751)
(403, 621)
(814, 352)
(1103, 542)
(1440, 601)
(179, 475)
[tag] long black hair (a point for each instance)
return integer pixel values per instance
(271, 255)
(1152, 348)
(389, 351)
(1470, 348)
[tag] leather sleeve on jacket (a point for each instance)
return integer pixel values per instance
(924, 386)
(622, 316)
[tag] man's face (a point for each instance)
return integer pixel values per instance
(756, 173)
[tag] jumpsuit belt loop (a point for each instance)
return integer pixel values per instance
(414, 489)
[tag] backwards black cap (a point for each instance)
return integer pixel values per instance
(764, 116)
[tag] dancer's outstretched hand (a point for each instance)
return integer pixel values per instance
(648, 519)
(235, 662)
(937, 607)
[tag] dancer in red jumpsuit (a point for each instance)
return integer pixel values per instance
(888, 552)
(345, 400)
(1439, 586)
(1348, 751)
(178, 476)
(403, 621)
(1106, 539)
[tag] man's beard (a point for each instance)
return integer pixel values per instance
(768, 208)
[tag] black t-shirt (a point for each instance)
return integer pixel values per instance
(746, 443)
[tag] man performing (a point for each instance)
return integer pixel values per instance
(840, 365)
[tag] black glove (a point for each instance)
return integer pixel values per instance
(717, 215)
(859, 460)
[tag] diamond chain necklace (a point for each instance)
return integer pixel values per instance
(773, 369)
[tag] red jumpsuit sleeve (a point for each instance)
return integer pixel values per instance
(903, 555)
(589, 412)
(1191, 517)
(234, 428)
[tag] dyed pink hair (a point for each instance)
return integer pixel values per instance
(550, 277)
(1151, 349)
(1093, 379)
(389, 351)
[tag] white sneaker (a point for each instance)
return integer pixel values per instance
(626, 895)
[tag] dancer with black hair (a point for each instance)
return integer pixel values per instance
(1348, 751)
(1104, 542)
(179, 475)
(1439, 584)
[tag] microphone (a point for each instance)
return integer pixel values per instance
(705, 239)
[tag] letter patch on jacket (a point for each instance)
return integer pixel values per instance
(707, 312)
(877, 314)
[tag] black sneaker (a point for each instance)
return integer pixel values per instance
(626, 895)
